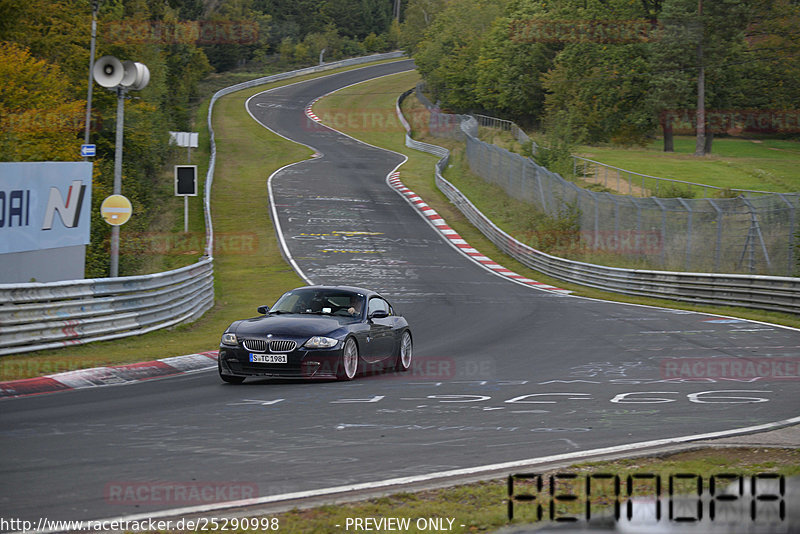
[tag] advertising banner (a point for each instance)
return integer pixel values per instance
(44, 205)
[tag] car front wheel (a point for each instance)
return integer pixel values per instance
(348, 364)
(405, 352)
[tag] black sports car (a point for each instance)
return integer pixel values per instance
(317, 332)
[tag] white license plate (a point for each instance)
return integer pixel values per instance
(268, 358)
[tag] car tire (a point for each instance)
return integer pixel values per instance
(404, 352)
(229, 379)
(348, 363)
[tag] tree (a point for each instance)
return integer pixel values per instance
(510, 66)
(292, 19)
(419, 16)
(39, 119)
(770, 73)
(448, 56)
(237, 33)
(358, 18)
(604, 90)
(672, 89)
(57, 32)
(601, 75)
(702, 43)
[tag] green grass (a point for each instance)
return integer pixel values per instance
(245, 276)
(762, 164)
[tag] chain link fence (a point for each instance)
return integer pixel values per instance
(643, 185)
(754, 235)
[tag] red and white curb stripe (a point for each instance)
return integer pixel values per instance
(109, 376)
(441, 225)
(310, 114)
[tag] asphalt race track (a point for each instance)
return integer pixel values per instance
(502, 372)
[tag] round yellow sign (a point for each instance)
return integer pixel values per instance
(116, 210)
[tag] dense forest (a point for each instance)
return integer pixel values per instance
(619, 71)
(44, 65)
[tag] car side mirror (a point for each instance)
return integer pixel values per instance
(263, 310)
(379, 314)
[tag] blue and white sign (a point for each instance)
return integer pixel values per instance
(88, 151)
(44, 205)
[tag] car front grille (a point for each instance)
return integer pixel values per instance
(255, 345)
(260, 345)
(282, 346)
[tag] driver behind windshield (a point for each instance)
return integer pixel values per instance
(355, 305)
(321, 303)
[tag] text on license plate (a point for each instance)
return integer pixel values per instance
(268, 358)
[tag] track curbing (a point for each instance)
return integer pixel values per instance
(115, 375)
(459, 242)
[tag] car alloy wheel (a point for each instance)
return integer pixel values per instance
(405, 353)
(348, 365)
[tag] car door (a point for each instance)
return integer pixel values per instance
(381, 342)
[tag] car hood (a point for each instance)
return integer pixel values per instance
(291, 325)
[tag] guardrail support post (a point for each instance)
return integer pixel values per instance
(718, 247)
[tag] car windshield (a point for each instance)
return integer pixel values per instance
(320, 302)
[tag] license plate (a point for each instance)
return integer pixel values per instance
(268, 358)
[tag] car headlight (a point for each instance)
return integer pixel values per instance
(229, 338)
(321, 342)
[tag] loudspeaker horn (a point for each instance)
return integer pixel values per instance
(142, 77)
(108, 71)
(129, 73)
(137, 75)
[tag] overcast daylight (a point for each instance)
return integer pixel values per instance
(400, 266)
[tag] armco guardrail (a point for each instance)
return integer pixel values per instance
(773, 293)
(38, 316)
(58, 314)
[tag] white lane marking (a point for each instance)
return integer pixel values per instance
(468, 471)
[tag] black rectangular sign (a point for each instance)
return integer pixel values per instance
(185, 180)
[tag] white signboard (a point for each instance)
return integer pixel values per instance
(185, 139)
(44, 205)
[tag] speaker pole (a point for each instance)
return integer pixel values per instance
(113, 74)
(91, 66)
(114, 268)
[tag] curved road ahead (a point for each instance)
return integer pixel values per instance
(502, 373)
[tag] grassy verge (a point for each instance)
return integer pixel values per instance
(249, 268)
(758, 164)
(166, 246)
(482, 507)
(377, 99)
